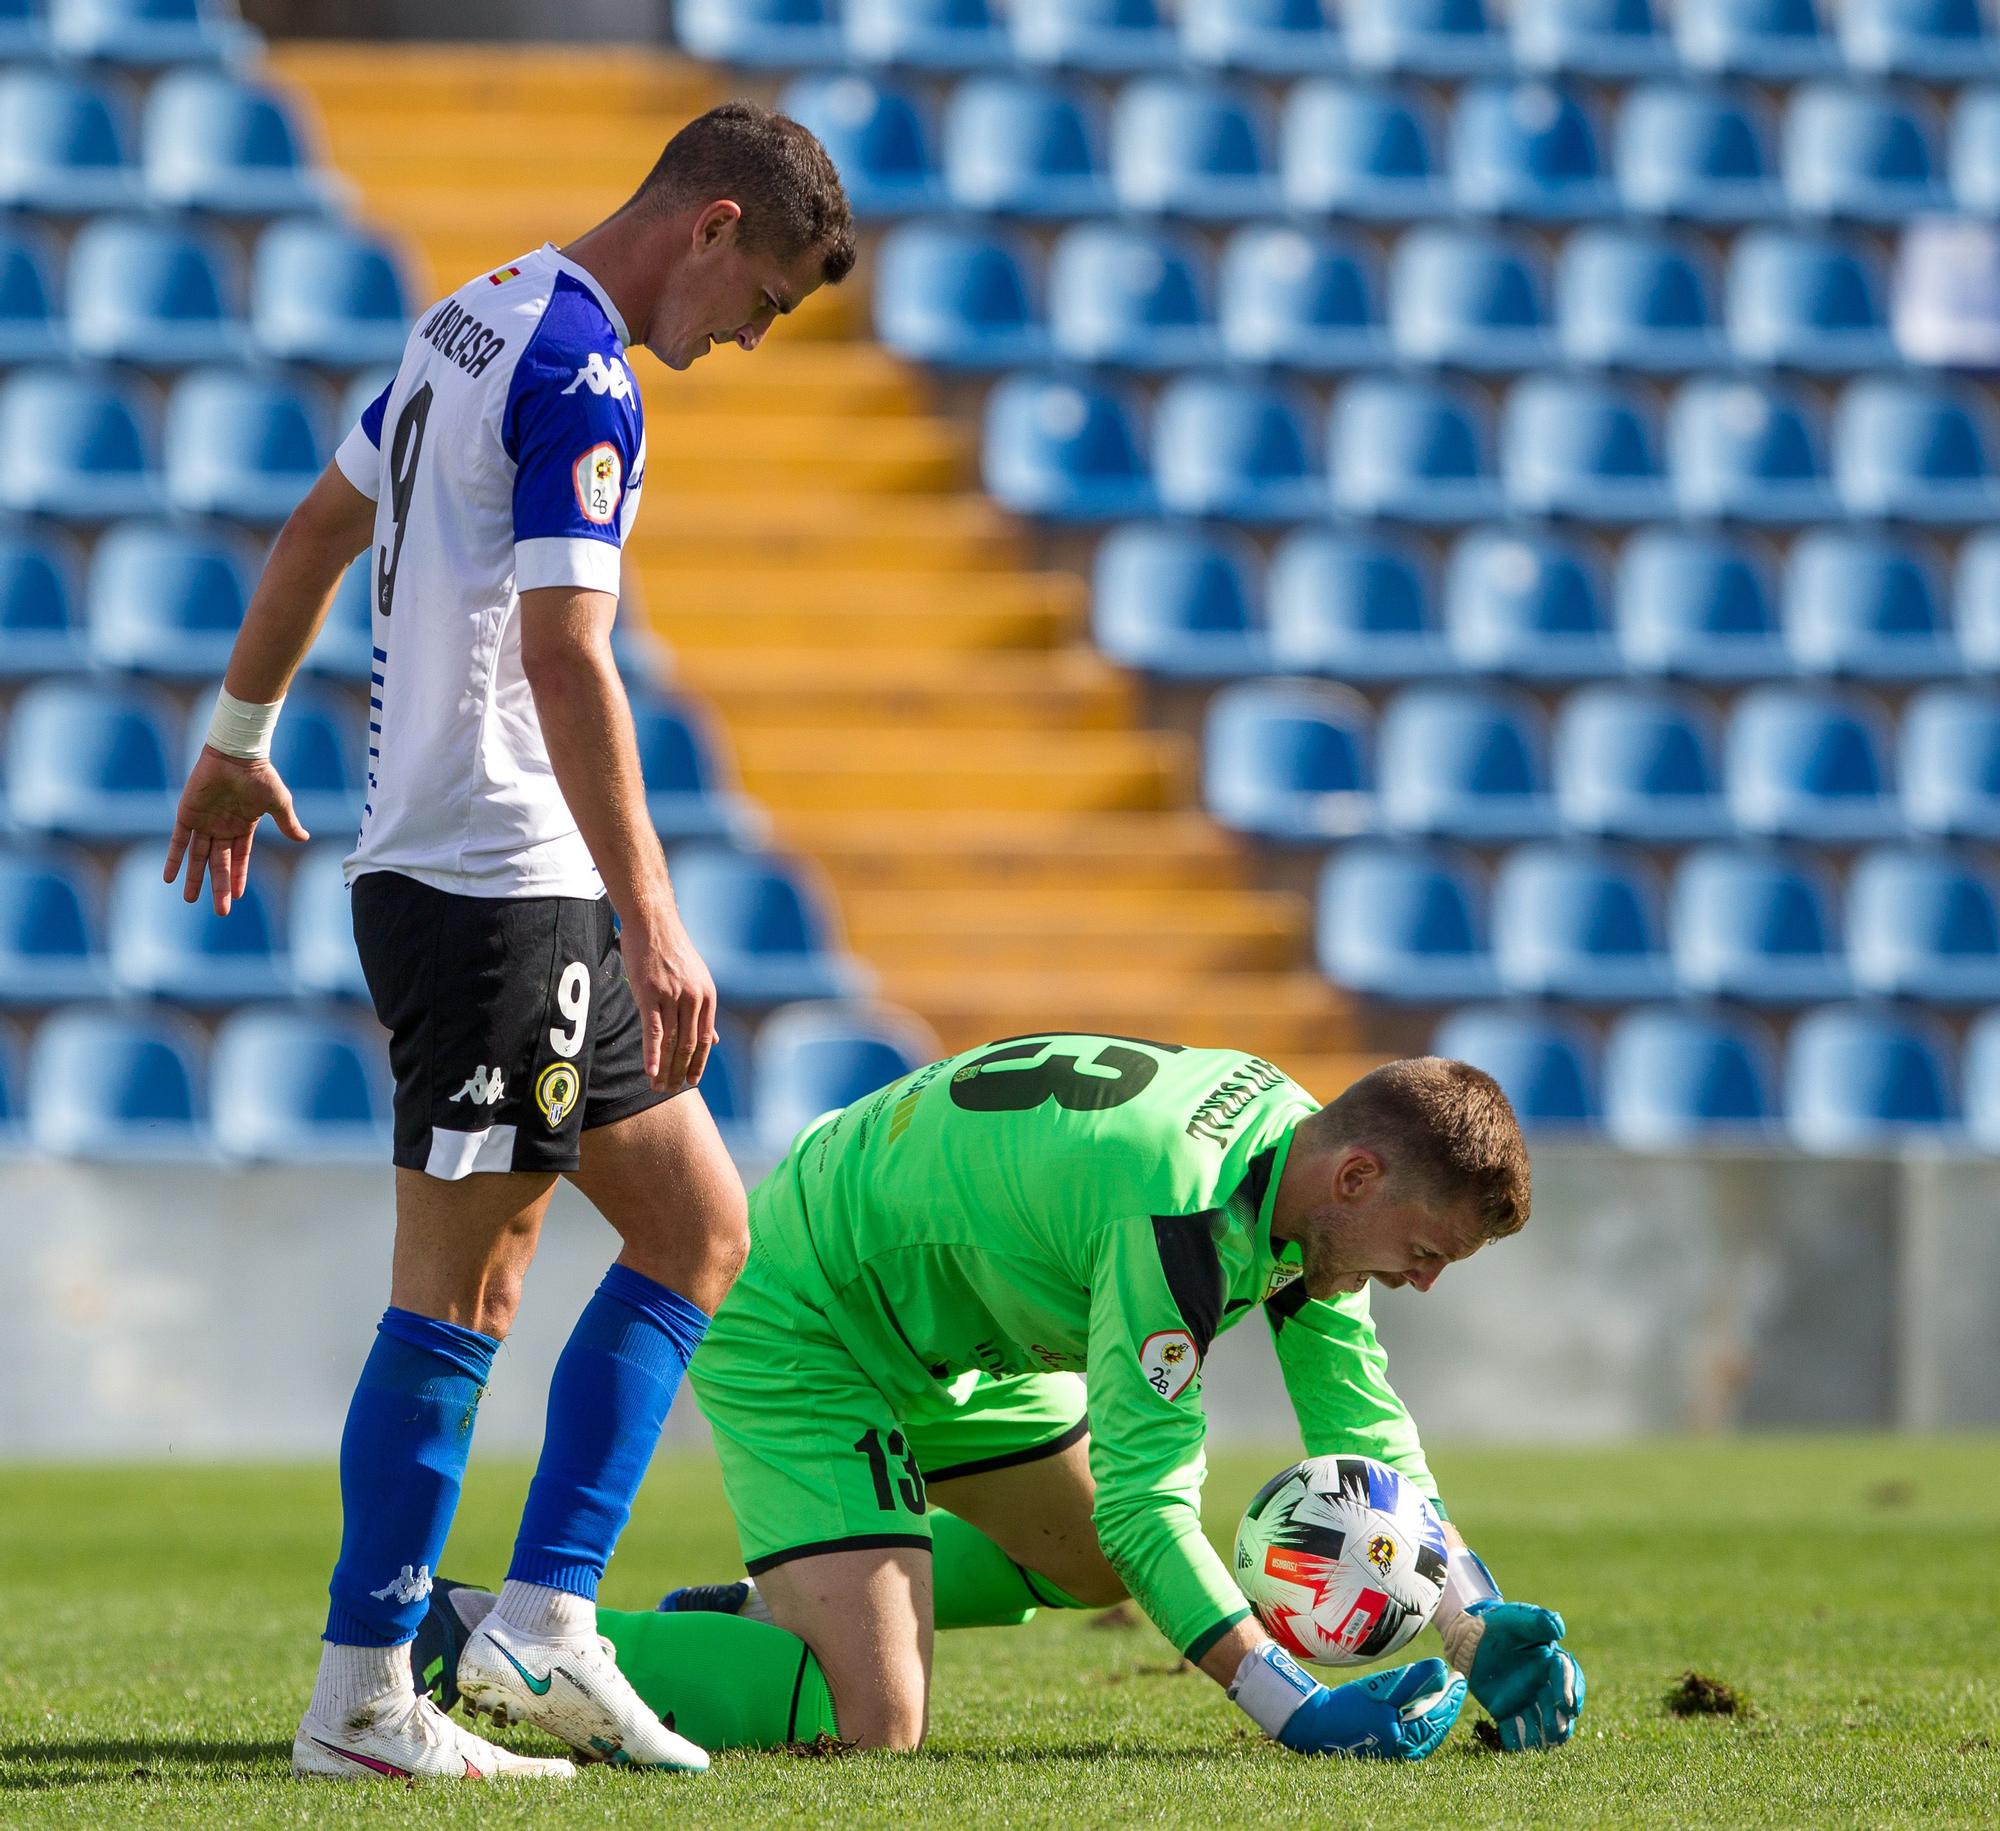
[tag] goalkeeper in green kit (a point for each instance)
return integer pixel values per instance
(942, 1274)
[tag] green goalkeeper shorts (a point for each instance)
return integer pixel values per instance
(815, 1457)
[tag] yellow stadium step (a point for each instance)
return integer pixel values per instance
(836, 382)
(745, 453)
(841, 690)
(756, 613)
(1326, 1077)
(476, 82)
(824, 530)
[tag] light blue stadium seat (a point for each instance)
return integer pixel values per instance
(1468, 297)
(119, 1086)
(145, 290)
(1424, 37)
(1527, 603)
(1581, 445)
(1975, 601)
(763, 925)
(1526, 149)
(1933, 40)
(957, 297)
(51, 950)
(321, 935)
(1579, 920)
(762, 34)
(876, 138)
(1113, 37)
(1861, 1079)
(1917, 449)
(1597, 38)
(1358, 149)
(1404, 922)
(1747, 450)
(148, 31)
(1923, 922)
(726, 1092)
(343, 649)
(1356, 604)
(24, 30)
(75, 446)
(1699, 603)
(1949, 762)
(316, 750)
(1975, 151)
(1411, 447)
(1860, 153)
(1806, 300)
(924, 34)
(1463, 762)
(40, 631)
(1678, 1075)
(32, 329)
(1263, 37)
(298, 1087)
(687, 789)
(212, 142)
(1234, 449)
(90, 760)
(1178, 602)
(1864, 603)
(324, 293)
(167, 598)
(1191, 146)
(1755, 923)
(241, 445)
(1129, 294)
(1771, 40)
(1299, 300)
(1065, 449)
(1980, 1070)
(13, 1095)
(1806, 763)
(813, 1058)
(64, 144)
(1289, 761)
(1698, 152)
(1636, 298)
(1545, 1063)
(1024, 146)
(162, 946)
(1637, 762)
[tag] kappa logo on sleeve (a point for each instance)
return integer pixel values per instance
(601, 377)
(1169, 1360)
(600, 480)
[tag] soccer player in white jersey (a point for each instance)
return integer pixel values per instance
(496, 478)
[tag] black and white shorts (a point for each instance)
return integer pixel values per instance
(512, 1026)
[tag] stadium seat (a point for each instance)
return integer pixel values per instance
(1698, 603)
(1354, 604)
(1677, 1075)
(1358, 149)
(1747, 450)
(1063, 449)
(687, 796)
(1923, 922)
(1697, 152)
(316, 751)
(13, 1097)
(1423, 37)
(813, 1058)
(1861, 1080)
(1857, 152)
(321, 937)
(762, 924)
(956, 298)
(166, 598)
(240, 445)
(1463, 762)
(1404, 922)
(211, 142)
(1975, 152)
(327, 294)
(1980, 1071)
(90, 760)
(761, 34)
(343, 650)
(39, 629)
(1863, 603)
(1578, 920)
(1949, 763)
(1805, 300)
(876, 138)
(1413, 448)
(1596, 38)
(24, 30)
(1544, 1063)
(1024, 146)
(1526, 149)
(1128, 294)
(1636, 762)
(1755, 923)
(1178, 602)
(1942, 41)
(1580, 445)
(146, 291)
(162, 946)
(50, 950)
(294, 1087)
(1289, 761)
(1112, 37)
(1468, 297)
(1527, 603)
(1261, 37)
(31, 327)
(1299, 300)
(119, 1086)
(1805, 763)
(725, 1089)
(64, 144)
(1915, 449)
(1234, 449)
(76, 447)
(1635, 298)
(1186, 146)
(924, 34)
(1770, 40)
(1975, 600)
(148, 31)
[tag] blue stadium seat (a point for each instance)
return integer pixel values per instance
(813, 1058)
(1234, 449)
(1975, 152)
(687, 792)
(1468, 297)
(1354, 604)
(1526, 149)
(762, 924)
(1949, 763)
(725, 1089)
(876, 138)
(1289, 761)
(295, 1087)
(166, 598)
(957, 298)
(1755, 923)
(40, 632)
(1109, 36)
(211, 142)
(321, 937)
(31, 327)
(165, 947)
(316, 750)
(1264, 37)
(75, 446)
(1545, 1063)
(1299, 300)
(1697, 152)
(1527, 603)
(1698, 603)
(120, 1086)
(1863, 603)
(1358, 149)
(1178, 602)
(1404, 922)
(90, 760)
(50, 950)
(761, 34)
(1410, 447)
(325, 293)
(1857, 152)
(1861, 1080)
(1636, 762)
(1024, 146)
(13, 1095)
(1934, 40)
(1805, 300)
(1598, 38)
(1126, 293)
(1975, 600)
(24, 30)
(1980, 1070)
(1463, 762)
(1747, 450)
(343, 650)
(1579, 920)
(1806, 763)
(1917, 449)
(1583, 446)
(1064, 449)
(241, 445)
(1636, 298)
(148, 31)
(1923, 922)
(925, 34)
(1677, 1075)
(1771, 40)
(147, 291)
(64, 144)
(1189, 146)
(1424, 37)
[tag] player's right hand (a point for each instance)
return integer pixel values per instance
(217, 819)
(1398, 1715)
(675, 993)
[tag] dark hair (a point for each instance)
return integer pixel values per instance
(774, 169)
(1447, 1125)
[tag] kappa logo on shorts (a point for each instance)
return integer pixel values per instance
(483, 1087)
(1169, 1360)
(602, 377)
(557, 1089)
(599, 476)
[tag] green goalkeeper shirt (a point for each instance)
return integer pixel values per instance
(1093, 1203)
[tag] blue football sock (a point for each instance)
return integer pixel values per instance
(607, 1401)
(402, 1458)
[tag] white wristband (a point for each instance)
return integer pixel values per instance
(1269, 1687)
(242, 728)
(1467, 1580)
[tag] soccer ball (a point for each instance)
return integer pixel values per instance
(1341, 1558)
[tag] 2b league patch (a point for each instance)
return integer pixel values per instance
(599, 476)
(1169, 1360)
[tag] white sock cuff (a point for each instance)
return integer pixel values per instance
(352, 1678)
(547, 1614)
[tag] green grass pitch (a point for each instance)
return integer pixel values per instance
(160, 1629)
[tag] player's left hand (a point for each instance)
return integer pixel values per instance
(1521, 1673)
(217, 819)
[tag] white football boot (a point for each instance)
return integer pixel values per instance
(407, 1737)
(571, 1688)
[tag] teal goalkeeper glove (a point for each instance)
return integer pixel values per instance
(1398, 1715)
(1512, 1654)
